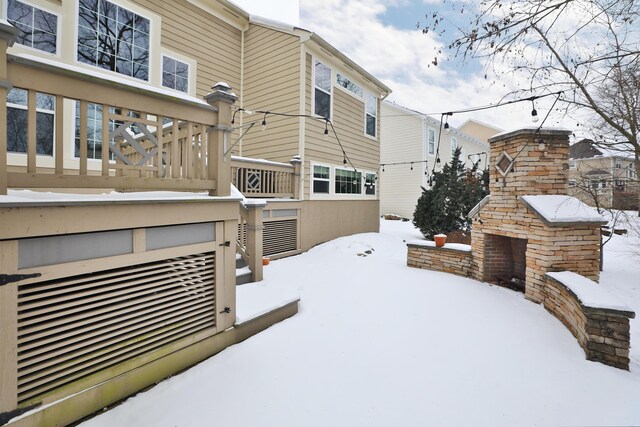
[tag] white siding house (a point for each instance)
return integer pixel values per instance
(410, 136)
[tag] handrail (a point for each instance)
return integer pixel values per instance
(136, 158)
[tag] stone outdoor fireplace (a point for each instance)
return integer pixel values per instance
(515, 241)
(530, 236)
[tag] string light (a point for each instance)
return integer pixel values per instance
(264, 121)
(326, 129)
(534, 113)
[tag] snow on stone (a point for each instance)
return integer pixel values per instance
(589, 292)
(561, 209)
(432, 244)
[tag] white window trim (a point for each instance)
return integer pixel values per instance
(454, 144)
(58, 28)
(344, 89)
(332, 195)
(191, 74)
(313, 178)
(375, 138)
(314, 87)
(155, 77)
(434, 142)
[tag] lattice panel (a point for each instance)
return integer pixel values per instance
(73, 327)
(280, 236)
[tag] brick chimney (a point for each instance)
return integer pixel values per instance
(530, 161)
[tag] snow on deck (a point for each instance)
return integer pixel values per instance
(589, 292)
(255, 299)
(559, 209)
(28, 197)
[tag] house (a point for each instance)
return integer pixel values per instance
(597, 176)
(410, 136)
(307, 76)
(479, 130)
(103, 293)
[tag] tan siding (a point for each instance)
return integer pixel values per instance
(214, 44)
(348, 120)
(271, 83)
(401, 141)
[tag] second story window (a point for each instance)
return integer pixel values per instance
(175, 74)
(618, 163)
(431, 135)
(371, 114)
(113, 38)
(349, 85)
(322, 91)
(36, 28)
(454, 145)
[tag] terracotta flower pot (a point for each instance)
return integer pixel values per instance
(265, 261)
(440, 240)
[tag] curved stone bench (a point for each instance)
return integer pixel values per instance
(452, 258)
(598, 320)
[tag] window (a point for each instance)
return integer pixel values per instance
(175, 74)
(370, 184)
(371, 113)
(113, 38)
(603, 184)
(36, 28)
(572, 183)
(322, 95)
(572, 164)
(349, 85)
(432, 141)
(618, 163)
(594, 185)
(18, 117)
(348, 182)
(321, 178)
(94, 131)
(454, 145)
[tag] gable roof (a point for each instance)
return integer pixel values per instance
(584, 149)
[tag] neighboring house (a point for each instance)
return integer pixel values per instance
(408, 135)
(603, 178)
(104, 294)
(479, 130)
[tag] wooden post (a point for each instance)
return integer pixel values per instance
(219, 164)
(8, 329)
(255, 228)
(8, 34)
(296, 162)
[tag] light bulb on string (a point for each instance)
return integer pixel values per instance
(411, 166)
(326, 129)
(264, 121)
(534, 113)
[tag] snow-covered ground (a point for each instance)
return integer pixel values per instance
(379, 344)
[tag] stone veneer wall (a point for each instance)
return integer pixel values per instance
(446, 259)
(573, 247)
(602, 333)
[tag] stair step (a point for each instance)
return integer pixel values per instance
(243, 275)
(240, 261)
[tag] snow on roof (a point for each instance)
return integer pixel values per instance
(431, 244)
(37, 198)
(589, 292)
(561, 209)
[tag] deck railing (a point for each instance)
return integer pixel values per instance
(49, 149)
(265, 179)
(250, 237)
